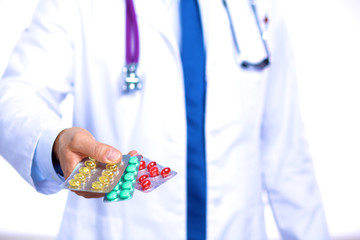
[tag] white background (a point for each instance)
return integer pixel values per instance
(326, 41)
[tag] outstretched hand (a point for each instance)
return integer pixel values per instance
(74, 144)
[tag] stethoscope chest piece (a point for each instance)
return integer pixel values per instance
(132, 81)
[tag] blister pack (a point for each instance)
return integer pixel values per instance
(124, 189)
(151, 175)
(90, 175)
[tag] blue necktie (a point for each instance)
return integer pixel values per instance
(193, 62)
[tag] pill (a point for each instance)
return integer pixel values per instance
(90, 164)
(74, 183)
(142, 165)
(117, 187)
(81, 177)
(111, 166)
(125, 194)
(143, 177)
(129, 177)
(104, 180)
(150, 165)
(84, 170)
(165, 172)
(97, 185)
(127, 185)
(134, 160)
(92, 159)
(109, 174)
(145, 184)
(111, 196)
(131, 168)
(154, 171)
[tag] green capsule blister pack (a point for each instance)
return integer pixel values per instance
(124, 189)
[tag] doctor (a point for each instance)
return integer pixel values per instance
(232, 136)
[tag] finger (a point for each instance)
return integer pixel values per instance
(89, 194)
(133, 153)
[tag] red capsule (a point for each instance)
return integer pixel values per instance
(154, 171)
(143, 177)
(146, 184)
(142, 165)
(165, 172)
(150, 165)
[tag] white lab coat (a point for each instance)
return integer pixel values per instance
(254, 134)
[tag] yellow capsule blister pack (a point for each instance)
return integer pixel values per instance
(90, 175)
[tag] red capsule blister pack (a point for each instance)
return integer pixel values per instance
(151, 175)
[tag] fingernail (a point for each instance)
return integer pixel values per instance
(112, 155)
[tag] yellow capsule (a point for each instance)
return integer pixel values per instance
(108, 174)
(74, 183)
(84, 170)
(92, 159)
(111, 166)
(104, 180)
(90, 164)
(81, 177)
(97, 185)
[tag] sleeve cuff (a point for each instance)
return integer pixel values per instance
(43, 168)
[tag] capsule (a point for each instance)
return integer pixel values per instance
(143, 177)
(134, 160)
(154, 171)
(109, 174)
(142, 165)
(97, 185)
(127, 185)
(90, 164)
(165, 172)
(81, 177)
(74, 183)
(125, 194)
(104, 180)
(85, 170)
(129, 177)
(146, 184)
(111, 196)
(131, 168)
(151, 164)
(111, 166)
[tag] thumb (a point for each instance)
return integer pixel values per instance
(102, 152)
(97, 150)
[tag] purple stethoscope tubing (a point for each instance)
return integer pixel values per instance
(132, 34)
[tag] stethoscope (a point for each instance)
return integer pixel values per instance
(133, 82)
(259, 66)
(131, 79)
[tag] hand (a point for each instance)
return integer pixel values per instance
(74, 144)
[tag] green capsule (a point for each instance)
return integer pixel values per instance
(129, 176)
(131, 168)
(134, 160)
(127, 185)
(111, 196)
(125, 194)
(117, 186)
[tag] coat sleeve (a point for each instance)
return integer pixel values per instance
(37, 79)
(288, 173)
